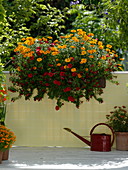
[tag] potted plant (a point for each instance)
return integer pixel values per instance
(118, 120)
(3, 96)
(65, 69)
(7, 138)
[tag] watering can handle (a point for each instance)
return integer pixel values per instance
(107, 126)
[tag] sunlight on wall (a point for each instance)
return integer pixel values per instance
(39, 124)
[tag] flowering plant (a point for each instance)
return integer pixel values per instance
(65, 69)
(118, 119)
(7, 138)
(3, 95)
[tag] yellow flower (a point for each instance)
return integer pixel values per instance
(72, 46)
(73, 30)
(86, 69)
(120, 68)
(90, 34)
(107, 49)
(49, 37)
(83, 60)
(62, 46)
(55, 41)
(79, 30)
(101, 47)
(53, 48)
(109, 46)
(55, 53)
(83, 52)
(75, 39)
(73, 70)
(67, 60)
(39, 59)
(100, 43)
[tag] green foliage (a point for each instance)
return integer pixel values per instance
(115, 13)
(2, 15)
(27, 18)
(118, 119)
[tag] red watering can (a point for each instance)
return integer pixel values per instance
(99, 142)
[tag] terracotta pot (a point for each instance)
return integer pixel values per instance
(1, 154)
(5, 155)
(122, 141)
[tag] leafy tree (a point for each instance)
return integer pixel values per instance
(27, 18)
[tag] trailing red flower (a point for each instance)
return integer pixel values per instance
(30, 75)
(57, 82)
(67, 89)
(70, 98)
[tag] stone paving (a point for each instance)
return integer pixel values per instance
(50, 158)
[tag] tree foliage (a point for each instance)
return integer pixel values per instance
(27, 18)
(107, 19)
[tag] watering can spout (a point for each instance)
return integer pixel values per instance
(78, 136)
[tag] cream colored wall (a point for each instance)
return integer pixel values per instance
(39, 124)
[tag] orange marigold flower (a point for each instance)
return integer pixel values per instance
(91, 56)
(75, 39)
(55, 53)
(90, 34)
(73, 70)
(67, 60)
(73, 30)
(49, 37)
(83, 52)
(82, 48)
(72, 46)
(121, 59)
(39, 59)
(101, 47)
(79, 75)
(100, 43)
(103, 57)
(83, 60)
(107, 49)
(58, 64)
(109, 46)
(115, 55)
(34, 68)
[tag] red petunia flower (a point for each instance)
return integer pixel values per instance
(70, 98)
(57, 82)
(67, 89)
(62, 73)
(51, 74)
(30, 75)
(57, 107)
